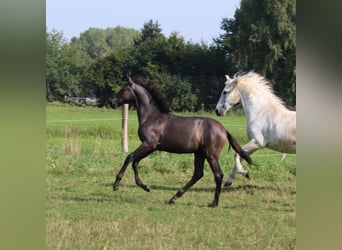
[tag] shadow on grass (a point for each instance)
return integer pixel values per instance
(247, 188)
(83, 199)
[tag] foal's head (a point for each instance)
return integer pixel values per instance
(140, 90)
(125, 95)
(229, 96)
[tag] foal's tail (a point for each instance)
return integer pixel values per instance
(238, 149)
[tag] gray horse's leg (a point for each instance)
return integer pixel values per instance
(250, 148)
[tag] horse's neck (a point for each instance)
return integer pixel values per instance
(258, 107)
(146, 106)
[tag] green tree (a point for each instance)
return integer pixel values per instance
(100, 78)
(106, 76)
(55, 75)
(205, 67)
(178, 91)
(119, 38)
(196, 70)
(181, 94)
(150, 31)
(93, 42)
(190, 74)
(102, 42)
(150, 50)
(54, 40)
(65, 65)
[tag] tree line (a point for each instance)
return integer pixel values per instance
(260, 37)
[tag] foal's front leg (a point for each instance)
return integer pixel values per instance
(141, 152)
(250, 148)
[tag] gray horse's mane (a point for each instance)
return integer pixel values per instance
(266, 88)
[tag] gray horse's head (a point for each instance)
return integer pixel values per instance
(229, 96)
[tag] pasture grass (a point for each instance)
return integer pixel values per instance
(83, 156)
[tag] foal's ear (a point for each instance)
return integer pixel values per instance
(130, 81)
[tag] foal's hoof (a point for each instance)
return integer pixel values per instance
(212, 205)
(146, 188)
(143, 186)
(228, 183)
(172, 201)
(115, 187)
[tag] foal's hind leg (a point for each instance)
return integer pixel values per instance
(198, 174)
(218, 175)
(250, 148)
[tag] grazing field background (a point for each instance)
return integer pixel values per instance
(83, 156)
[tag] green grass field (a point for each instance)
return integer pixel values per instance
(83, 156)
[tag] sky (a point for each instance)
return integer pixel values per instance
(195, 20)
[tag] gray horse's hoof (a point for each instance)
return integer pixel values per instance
(247, 175)
(228, 183)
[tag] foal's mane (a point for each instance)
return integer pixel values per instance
(155, 91)
(264, 86)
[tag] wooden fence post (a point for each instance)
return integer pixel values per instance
(124, 135)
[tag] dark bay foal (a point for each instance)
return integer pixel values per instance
(161, 130)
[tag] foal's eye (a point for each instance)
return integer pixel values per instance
(225, 92)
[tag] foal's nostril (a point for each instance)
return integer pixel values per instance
(114, 104)
(216, 111)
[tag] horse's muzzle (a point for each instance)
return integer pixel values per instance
(114, 103)
(217, 112)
